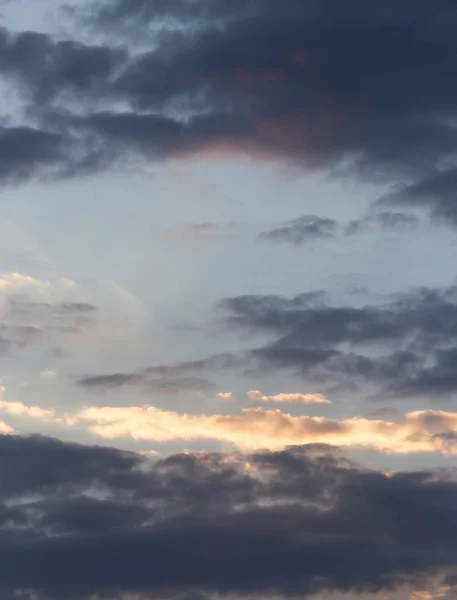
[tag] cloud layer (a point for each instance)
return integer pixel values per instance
(367, 90)
(316, 520)
(254, 428)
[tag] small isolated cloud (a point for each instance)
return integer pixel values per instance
(149, 453)
(20, 282)
(22, 410)
(225, 395)
(300, 231)
(48, 374)
(202, 232)
(257, 396)
(6, 429)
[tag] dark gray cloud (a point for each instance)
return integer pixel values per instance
(437, 379)
(25, 152)
(46, 68)
(406, 344)
(308, 318)
(174, 378)
(85, 520)
(304, 82)
(148, 384)
(318, 82)
(302, 230)
(211, 363)
(436, 192)
(310, 228)
(144, 11)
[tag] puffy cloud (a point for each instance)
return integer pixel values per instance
(5, 429)
(257, 396)
(289, 80)
(273, 82)
(225, 395)
(21, 409)
(305, 519)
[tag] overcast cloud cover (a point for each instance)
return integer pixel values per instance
(228, 299)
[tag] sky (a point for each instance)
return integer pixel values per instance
(228, 300)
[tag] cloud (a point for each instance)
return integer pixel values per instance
(148, 384)
(5, 429)
(26, 152)
(385, 220)
(257, 396)
(203, 232)
(48, 374)
(20, 409)
(306, 520)
(310, 228)
(309, 94)
(46, 68)
(406, 343)
(21, 283)
(174, 377)
(442, 592)
(35, 310)
(225, 360)
(276, 82)
(437, 380)
(415, 432)
(437, 193)
(150, 453)
(301, 231)
(225, 395)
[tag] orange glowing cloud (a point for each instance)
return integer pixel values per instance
(422, 431)
(297, 398)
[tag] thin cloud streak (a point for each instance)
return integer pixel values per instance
(297, 398)
(415, 432)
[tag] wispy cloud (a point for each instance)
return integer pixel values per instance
(301, 231)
